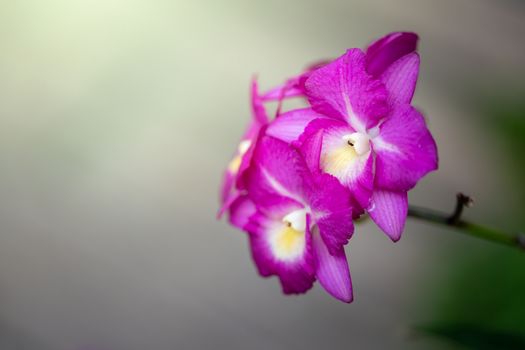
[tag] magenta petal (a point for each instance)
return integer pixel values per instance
(389, 211)
(332, 270)
(233, 178)
(310, 142)
(344, 90)
(331, 204)
(228, 181)
(286, 90)
(310, 148)
(278, 169)
(388, 49)
(405, 150)
(400, 79)
(241, 210)
(258, 109)
(363, 184)
(290, 125)
(294, 87)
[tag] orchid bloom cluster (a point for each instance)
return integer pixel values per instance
(298, 181)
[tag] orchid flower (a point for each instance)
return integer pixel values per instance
(301, 223)
(232, 190)
(374, 141)
(297, 182)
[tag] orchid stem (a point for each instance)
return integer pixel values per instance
(454, 220)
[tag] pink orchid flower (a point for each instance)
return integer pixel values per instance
(301, 223)
(373, 140)
(296, 183)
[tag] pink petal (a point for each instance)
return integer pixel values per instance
(286, 90)
(344, 90)
(400, 79)
(389, 211)
(294, 87)
(290, 125)
(246, 162)
(332, 270)
(405, 150)
(388, 49)
(331, 205)
(233, 181)
(258, 109)
(361, 185)
(278, 169)
(226, 189)
(310, 144)
(241, 209)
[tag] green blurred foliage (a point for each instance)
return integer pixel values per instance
(476, 337)
(480, 303)
(505, 117)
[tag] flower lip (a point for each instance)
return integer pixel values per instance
(296, 219)
(359, 141)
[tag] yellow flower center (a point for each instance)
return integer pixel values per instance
(338, 157)
(288, 241)
(235, 164)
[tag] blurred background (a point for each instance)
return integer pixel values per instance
(117, 118)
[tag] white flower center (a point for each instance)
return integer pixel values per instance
(341, 152)
(359, 141)
(296, 219)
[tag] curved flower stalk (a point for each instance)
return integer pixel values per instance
(297, 182)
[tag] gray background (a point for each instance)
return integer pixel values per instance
(116, 120)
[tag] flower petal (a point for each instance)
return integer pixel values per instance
(226, 192)
(332, 270)
(344, 90)
(290, 125)
(405, 150)
(311, 148)
(287, 90)
(278, 251)
(293, 87)
(241, 209)
(311, 140)
(388, 49)
(258, 109)
(389, 211)
(331, 205)
(400, 79)
(278, 169)
(233, 178)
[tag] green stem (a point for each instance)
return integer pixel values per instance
(454, 221)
